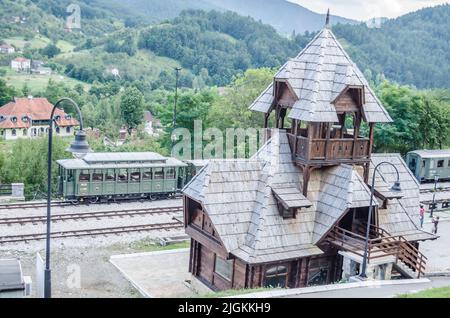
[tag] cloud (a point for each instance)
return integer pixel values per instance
(364, 10)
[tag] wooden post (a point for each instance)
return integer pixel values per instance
(356, 123)
(327, 142)
(295, 133)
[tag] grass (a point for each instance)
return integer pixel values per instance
(38, 42)
(442, 292)
(147, 245)
(233, 292)
(37, 83)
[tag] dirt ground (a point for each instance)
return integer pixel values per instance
(83, 271)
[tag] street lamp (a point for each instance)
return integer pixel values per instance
(79, 148)
(174, 120)
(436, 178)
(395, 188)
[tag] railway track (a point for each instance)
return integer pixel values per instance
(167, 226)
(89, 215)
(31, 205)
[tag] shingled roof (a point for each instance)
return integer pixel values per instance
(402, 215)
(21, 111)
(316, 77)
(238, 197)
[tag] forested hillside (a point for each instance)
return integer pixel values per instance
(213, 46)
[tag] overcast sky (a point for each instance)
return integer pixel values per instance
(366, 9)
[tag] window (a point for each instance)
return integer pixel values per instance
(224, 267)
(423, 163)
(14, 119)
(13, 132)
(68, 130)
(24, 132)
(276, 276)
(58, 130)
(440, 163)
(135, 175)
(448, 164)
(122, 176)
(85, 176)
(110, 175)
(158, 173)
(147, 174)
(97, 176)
(170, 173)
(69, 175)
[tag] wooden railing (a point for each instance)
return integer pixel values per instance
(333, 149)
(5, 190)
(383, 244)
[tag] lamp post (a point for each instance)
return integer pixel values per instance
(396, 188)
(174, 120)
(79, 147)
(436, 178)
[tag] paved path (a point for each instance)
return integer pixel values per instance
(387, 291)
(438, 251)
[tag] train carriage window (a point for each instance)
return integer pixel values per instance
(110, 175)
(423, 163)
(440, 163)
(97, 176)
(147, 174)
(122, 175)
(70, 175)
(448, 164)
(135, 175)
(170, 173)
(158, 173)
(85, 175)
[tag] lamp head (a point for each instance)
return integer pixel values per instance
(396, 187)
(79, 147)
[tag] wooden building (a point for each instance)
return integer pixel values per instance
(294, 214)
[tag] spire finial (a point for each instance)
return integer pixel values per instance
(327, 22)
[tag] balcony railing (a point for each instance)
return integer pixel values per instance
(342, 149)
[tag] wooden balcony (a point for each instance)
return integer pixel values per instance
(331, 151)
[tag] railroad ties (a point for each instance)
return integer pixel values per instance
(93, 232)
(121, 213)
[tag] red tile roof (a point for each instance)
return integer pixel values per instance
(35, 109)
(21, 59)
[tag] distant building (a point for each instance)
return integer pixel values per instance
(7, 49)
(29, 117)
(152, 125)
(35, 64)
(21, 64)
(42, 71)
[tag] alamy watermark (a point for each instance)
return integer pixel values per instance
(73, 20)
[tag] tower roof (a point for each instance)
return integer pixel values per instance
(316, 77)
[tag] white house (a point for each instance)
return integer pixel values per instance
(29, 117)
(21, 64)
(7, 49)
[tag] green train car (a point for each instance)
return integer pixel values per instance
(112, 176)
(426, 164)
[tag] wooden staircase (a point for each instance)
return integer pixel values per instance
(408, 260)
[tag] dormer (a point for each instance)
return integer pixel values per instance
(289, 201)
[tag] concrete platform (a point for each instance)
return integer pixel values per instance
(161, 274)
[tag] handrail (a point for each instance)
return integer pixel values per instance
(384, 244)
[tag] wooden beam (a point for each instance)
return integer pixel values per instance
(207, 241)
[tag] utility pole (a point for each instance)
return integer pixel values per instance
(174, 121)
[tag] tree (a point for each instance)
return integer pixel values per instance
(51, 50)
(132, 107)
(231, 109)
(7, 93)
